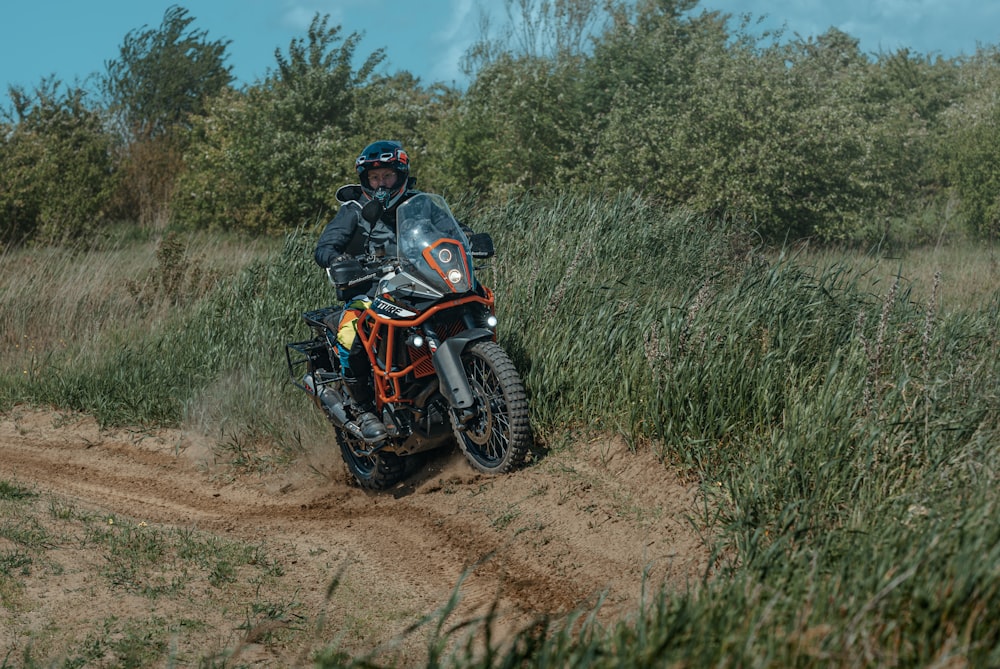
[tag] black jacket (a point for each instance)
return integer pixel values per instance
(349, 233)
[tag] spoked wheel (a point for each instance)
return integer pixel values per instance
(496, 439)
(372, 472)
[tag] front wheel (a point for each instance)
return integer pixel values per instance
(496, 438)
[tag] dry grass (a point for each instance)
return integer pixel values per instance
(69, 300)
(965, 274)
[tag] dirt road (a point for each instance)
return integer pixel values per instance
(580, 522)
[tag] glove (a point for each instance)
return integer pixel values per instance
(343, 257)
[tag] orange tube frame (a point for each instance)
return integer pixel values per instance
(372, 328)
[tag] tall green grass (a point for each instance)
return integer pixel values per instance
(581, 281)
(844, 429)
(848, 437)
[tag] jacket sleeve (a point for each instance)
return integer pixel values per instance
(337, 234)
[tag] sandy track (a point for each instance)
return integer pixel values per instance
(584, 522)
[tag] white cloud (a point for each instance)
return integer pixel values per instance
(452, 41)
(297, 15)
(461, 13)
(296, 18)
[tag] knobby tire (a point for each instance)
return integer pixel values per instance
(498, 439)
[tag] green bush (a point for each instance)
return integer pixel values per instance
(804, 137)
(245, 172)
(788, 136)
(56, 172)
(520, 128)
(976, 171)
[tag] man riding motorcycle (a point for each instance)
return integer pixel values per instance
(384, 171)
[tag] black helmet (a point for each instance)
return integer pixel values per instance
(384, 153)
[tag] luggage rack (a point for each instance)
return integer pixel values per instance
(317, 317)
(314, 353)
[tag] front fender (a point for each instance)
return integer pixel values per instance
(448, 363)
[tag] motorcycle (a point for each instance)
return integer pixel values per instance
(429, 333)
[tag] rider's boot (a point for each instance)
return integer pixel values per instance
(372, 429)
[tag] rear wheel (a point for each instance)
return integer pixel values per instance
(372, 472)
(497, 437)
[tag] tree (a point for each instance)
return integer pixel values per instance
(551, 29)
(790, 135)
(161, 83)
(272, 157)
(520, 126)
(523, 121)
(164, 76)
(968, 146)
(56, 173)
(315, 82)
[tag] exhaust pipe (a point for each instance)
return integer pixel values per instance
(333, 404)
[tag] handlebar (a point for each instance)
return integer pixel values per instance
(354, 271)
(381, 265)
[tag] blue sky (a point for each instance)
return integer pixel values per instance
(73, 38)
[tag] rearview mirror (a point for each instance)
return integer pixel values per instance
(372, 211)
(481, 244)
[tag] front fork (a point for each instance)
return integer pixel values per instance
(454, 383)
